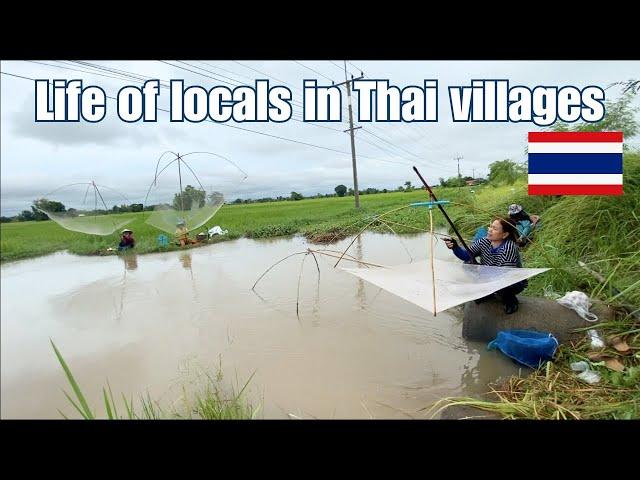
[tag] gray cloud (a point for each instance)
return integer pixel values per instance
(111, 131)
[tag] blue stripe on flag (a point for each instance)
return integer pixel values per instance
(575, 163)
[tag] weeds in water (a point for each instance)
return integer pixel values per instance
(212, 403)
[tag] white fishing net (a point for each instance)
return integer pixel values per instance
(188, 190)
(455, 283)
(87, 208)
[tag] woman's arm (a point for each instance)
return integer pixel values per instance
(462, 253)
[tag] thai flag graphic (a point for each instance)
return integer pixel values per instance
(575, 163)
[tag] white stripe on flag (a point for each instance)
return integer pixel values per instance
(575, 179)
(575, 147)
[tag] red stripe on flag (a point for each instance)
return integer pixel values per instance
(613, 137)
(575, 190)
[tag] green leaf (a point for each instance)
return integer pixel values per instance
(76, 388)
(106, 404)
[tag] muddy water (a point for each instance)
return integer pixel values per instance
(153, 323)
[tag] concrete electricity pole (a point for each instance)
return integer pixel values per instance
(351, 129)
(458, 158)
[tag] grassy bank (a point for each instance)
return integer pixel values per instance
(315, 218)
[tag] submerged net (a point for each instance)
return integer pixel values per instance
(188, 190)
(455, 283)
(86, 208)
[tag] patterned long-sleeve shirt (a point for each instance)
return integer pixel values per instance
(506, 254)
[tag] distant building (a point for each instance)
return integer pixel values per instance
(475, 181)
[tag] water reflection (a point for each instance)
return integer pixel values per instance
(130, 260)
(185, 260)
(360, 290)
(358, 352)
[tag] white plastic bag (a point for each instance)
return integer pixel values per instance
(596, 340)
(587, 375)
(590, 377)
(217, 231)
(579, 302)
(579, 366)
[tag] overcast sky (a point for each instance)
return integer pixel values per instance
(37, 158)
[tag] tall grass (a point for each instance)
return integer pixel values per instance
(603, 232)
(211, 403)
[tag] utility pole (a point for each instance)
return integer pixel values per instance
(474, 173)
(458, 158)
(351, 129)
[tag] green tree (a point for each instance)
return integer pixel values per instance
(506, 172)
(630, 85)
(46, 205)
(296, 196)
(452, 182)
(190, 196)
(340, 190)
(619, 116)
(49, 205)
(25, 216)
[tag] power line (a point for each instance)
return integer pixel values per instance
(136, 76)
(77, 70)
(234, 126)
(198, 73)
(209, 71)
(282, 81)
(315, 71)
(392, 144)
(140, 79)
(294, 102)
(322, 126)
(338, 66)
(358, 69)
(118, 71)
(393, 154)
(228, 71)
(262, 73)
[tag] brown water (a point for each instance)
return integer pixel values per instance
(151, 322)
